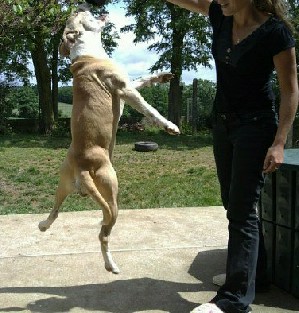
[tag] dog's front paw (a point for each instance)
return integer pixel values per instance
(165, 77)
(172, 129)
(162, 78)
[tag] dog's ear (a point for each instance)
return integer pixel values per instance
(103, 19)
(64, 49)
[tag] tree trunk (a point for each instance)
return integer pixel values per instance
(56, 42)
(194, 105)
(175, 90)
(43, 79)
(174, 101)
(54, 66)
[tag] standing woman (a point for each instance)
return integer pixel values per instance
(251, 39)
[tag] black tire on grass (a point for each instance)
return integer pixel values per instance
(146, 146)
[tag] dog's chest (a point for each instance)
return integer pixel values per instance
(95, 106)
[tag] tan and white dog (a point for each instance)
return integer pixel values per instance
(99, 90)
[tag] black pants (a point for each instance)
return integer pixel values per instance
(240, 146)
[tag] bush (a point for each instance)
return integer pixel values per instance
(65, 94)
(24, 101)
(62, 128)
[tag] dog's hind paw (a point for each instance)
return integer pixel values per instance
(113, 268)
(43, 226)
(110, 265)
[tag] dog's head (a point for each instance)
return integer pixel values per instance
(79, 22)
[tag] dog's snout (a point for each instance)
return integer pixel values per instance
(72, 35)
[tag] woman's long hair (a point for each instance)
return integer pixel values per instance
(278, 8)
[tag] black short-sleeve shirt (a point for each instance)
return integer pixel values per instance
(245, 70)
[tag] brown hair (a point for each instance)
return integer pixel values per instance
(278, 8)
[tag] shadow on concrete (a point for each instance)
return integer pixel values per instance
(140, 294)
(126, 296)
(212, 262)
(277, 298)
(206, 265)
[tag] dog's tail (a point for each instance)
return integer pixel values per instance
(89, 186)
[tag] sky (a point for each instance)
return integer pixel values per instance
(136, 59)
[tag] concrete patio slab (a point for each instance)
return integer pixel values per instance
(167, 259)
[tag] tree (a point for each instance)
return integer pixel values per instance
(5, 108)
(32, 29)
(294, 13)
(206, 91)
(24, 101)
(182, 41)
(294, 4)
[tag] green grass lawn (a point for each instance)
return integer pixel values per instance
(180, 173)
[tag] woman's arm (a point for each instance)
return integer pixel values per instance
(286, 68)
(200, 6)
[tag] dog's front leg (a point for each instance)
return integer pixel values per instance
(150, 80)
(65, 187)
(61, 194)
(134, 98)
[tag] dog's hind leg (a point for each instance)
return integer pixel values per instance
(106, 181)
(65, 187)
(110, 265)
